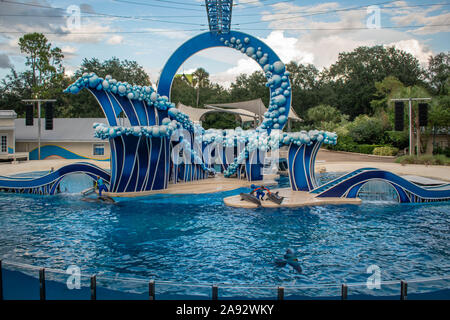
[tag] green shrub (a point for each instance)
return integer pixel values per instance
(365, 129)
(437, 160)
(445, 151)
(398, 139)
(385, 151)
(366, 148)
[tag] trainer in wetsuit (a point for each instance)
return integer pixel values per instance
(101, 186)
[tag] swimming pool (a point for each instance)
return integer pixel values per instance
(197, 239)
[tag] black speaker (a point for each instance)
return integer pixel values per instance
(423, 114)
(29, 117)
(48, 116)
(399, 115)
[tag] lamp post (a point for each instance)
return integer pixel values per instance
(39, 119)
(410, 100)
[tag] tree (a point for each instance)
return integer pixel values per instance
(45, 62)
(84, 104)
(121, 70)
(325, 117)
(200, 79)
(181, 91)
(354, 75)
(412, 92)
(306, 86)
(248, 87)
(365, 129)
(384, 92)
(438, 73)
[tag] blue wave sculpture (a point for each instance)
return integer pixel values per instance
(349, 185)
(48, 184)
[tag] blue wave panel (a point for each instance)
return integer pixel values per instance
(254, 166)
(139, 108)
(127, 108)
(10, 150)
(48, 184)
(52, 150)
(110, 109)
(301, 163)
(349, 185)
(151, 114)
(140, 163)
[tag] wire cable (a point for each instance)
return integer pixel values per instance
(317, 13)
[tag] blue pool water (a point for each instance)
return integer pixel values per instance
(197, 239)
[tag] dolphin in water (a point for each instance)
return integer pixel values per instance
(102, 199)
(291, 259)
(274, 197)
(250, 198)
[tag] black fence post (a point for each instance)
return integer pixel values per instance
(280, 293)
(344, 292)
(93, 287)
(151, 290)
(42, 284)
(403, 290)
(1, 281)
(215, 292)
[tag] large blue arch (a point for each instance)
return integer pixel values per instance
(210, 40)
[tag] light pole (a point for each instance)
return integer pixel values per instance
(410, 100)
(39, 119)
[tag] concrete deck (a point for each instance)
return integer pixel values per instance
(43, 165)
(432, 172)
(211, 185)
(293, 199)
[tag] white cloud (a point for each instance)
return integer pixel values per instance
(116, 39)
(244, 65)
(432, 22)
(69, 52)
(288, 48)
(344, 32)
(169, 33)
(328, 36)
(414, 47)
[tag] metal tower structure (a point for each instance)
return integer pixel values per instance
(219, 15)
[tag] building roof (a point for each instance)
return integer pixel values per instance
(64, 129)
(8, 114)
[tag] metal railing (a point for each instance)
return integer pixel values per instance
(214, 288)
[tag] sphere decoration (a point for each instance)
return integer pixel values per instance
(275, 70)
(268, 136)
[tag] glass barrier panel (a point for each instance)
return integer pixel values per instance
(182, 291)
(309, 293)
(20, 283)
(62, 286)
(386, 291)
(121, 288)
(438, 289)
(246, 292)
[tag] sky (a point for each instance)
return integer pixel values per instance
(149, 31)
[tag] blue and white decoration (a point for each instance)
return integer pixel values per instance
(277, 76)
(141, 153)
(48, 184)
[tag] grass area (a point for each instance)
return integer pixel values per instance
(437, 160)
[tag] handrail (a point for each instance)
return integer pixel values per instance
(215, 285)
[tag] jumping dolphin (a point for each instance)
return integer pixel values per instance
(274, 197)
(250, 198)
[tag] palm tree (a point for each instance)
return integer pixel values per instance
(200, 78)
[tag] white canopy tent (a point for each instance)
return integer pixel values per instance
(257, 107)
(252, 110)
